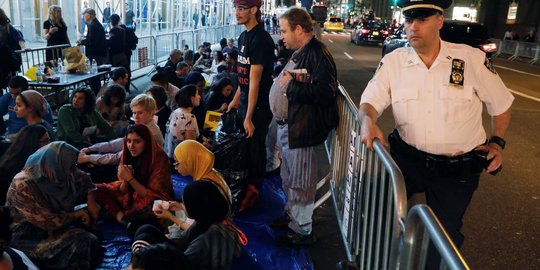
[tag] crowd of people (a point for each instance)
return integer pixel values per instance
(109, 154)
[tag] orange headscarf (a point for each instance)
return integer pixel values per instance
(199, 163)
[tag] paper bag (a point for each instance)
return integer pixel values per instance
(74, 60)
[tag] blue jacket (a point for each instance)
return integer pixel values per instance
(14, 123)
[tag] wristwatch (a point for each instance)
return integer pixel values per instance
(497, 140)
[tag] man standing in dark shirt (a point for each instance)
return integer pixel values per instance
(95, 43)
(128, 19)
(255, 67)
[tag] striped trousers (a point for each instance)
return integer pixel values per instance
(299, 175)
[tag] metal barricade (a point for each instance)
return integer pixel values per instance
(145, 54)
(185, 38)
(164, 44)
(422, 227)
(368, 191)
(36, 56)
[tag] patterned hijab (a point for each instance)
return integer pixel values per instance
(51, 168)
(199, 163)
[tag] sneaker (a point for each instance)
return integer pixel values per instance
(281, 222)
(293, 239)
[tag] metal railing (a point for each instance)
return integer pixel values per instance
(370, 202)
(518, 50)
(35, 56)
(423, 227)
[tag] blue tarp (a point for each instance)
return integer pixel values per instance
(261, 251)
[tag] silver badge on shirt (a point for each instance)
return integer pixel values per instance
(457, 74)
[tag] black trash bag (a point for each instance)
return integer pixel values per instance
(231, 123)
(231, 160)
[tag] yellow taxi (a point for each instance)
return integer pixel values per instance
(333, 24)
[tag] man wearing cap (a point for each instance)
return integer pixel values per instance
(255, 67)
(436, 90)
(305, 108)
(95, 42)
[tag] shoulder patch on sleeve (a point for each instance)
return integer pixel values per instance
(378, 68)
(489, 66)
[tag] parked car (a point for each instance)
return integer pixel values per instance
(464, 32)
(373, 31)
(333, 24)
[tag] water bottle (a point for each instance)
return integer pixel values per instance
(88, 66)
(39, 73)
(94, 66)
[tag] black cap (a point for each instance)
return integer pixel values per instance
(422, 8)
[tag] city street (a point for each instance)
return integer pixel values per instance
(501, 224)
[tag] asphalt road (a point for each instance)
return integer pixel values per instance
(501, 225)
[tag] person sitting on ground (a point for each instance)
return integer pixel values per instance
(219, 96)
(80, 124)
(16, 86)
(163, 112)
(188, 57)
(112, 107)
(109, 153)
(197, 79)
(162, 79)
(211, 242)
(223, 73)
(10, 258)
(200, 56)
(230, 47)
(32, 106)
(29, 140)
(144, 175)
(120, 77)
(42, 198)
(232, 62)
(182, 69)
(182, 124)
(160, 256)
(175, 56)
(219, 60)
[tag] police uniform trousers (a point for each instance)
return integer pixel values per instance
(299, 174)
(447, 195)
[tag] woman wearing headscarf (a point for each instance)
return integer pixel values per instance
(32, 106)
(42, 198)
(28, 141)
(144, 175)
(211, 242)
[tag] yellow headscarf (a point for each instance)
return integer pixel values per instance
(199, 163)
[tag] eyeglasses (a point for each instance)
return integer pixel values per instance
(241, 8)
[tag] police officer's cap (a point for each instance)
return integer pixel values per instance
(416, 9)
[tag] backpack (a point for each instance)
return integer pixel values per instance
(131, 39)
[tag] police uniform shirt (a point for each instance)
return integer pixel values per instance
(432, 111)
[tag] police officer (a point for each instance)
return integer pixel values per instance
(436, 90)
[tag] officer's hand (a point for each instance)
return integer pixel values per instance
(494, 153)
(369, 131)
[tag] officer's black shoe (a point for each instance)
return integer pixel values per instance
(281, 222)
(292, 239)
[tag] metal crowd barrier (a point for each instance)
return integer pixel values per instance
(36, 56)
(423, 227)
(518, 50)
(370, 202)
(152, 50)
